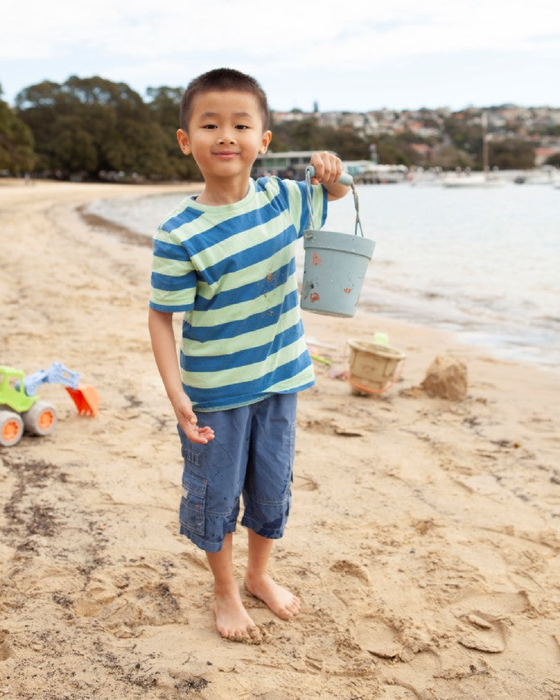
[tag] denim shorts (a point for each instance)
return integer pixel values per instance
(252, 454)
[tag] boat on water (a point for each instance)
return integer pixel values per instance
(425, 178)
(420, 181)
(471, 180)
(547, 175)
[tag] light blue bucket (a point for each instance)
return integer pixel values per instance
(334, 270)
(335, 264)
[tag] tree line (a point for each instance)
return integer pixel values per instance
(93, 128)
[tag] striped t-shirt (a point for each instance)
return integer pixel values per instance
(231, 270)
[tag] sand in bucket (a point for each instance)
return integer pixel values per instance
(335, 263)
(373, 368)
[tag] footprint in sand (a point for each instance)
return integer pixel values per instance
(376, 636)
(124, 601)
(396, 692)
(349, 568)
(5, 648)
(484, 633)
(305, 483)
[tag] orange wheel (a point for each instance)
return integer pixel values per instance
(11, 428)
(46, 419)
(40, 419)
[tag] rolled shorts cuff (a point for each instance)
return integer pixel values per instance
(204, 544)
(271, 533)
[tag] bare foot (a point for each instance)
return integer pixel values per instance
(232, 620)
(282, 603)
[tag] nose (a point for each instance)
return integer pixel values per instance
(226, 137)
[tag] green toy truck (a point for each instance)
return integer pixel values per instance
(21, 409)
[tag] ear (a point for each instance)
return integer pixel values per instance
(183, 140)
(265, 142)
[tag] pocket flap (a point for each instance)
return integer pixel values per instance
(194, 485)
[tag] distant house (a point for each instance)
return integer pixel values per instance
(294, 116)
(365, 171)
(422, 149)
(290, 164)
(543, 154)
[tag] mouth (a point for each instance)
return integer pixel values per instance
(226, 155)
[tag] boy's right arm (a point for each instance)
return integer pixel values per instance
(165, 352)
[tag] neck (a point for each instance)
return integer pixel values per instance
(218, 193)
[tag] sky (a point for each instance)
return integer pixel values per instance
(354, 55)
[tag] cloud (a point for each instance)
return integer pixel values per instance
(317, 32)
(300, 49)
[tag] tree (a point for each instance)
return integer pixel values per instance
(307, 135)
(298, 135)
(164, 107)
(16, 142)
(74, 149)
(466, 135)
(94, 125)
(510, 154)
(347, 143)
(395, 150)
(449, 158)
(553, 160)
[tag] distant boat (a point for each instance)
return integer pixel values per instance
(426, 180)
(539, 181)
(471, 180)
(545, 176)
(476, 179)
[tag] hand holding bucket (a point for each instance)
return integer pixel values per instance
(344, 179)
(335, 263)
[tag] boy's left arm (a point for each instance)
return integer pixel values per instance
(328, 169)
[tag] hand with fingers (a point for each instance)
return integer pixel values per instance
(188, 420)
(328, 172)
(328, 168)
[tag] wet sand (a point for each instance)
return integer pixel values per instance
(424, 534)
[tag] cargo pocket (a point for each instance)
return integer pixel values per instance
(193, 503)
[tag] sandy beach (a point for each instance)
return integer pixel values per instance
(423, 539)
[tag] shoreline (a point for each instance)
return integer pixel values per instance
(498, 345)
(423, 539)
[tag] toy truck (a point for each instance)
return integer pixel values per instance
(21, 409)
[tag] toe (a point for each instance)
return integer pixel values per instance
(284, 614)
(255, 632)
(293, 607)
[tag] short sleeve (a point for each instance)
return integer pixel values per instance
(173, 280)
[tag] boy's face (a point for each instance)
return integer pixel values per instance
(225, 134)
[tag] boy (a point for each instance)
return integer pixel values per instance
(226, 260)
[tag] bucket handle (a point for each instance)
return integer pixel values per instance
(344, 179)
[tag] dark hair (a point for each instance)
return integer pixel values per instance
(222, 79)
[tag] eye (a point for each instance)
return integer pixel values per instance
(241, 126)
(209, 126)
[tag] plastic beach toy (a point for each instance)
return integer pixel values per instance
(21, 409)
(335, 263)
(373, 367)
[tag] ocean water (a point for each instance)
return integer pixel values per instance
(483, 263)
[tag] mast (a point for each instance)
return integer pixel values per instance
(484, 124)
